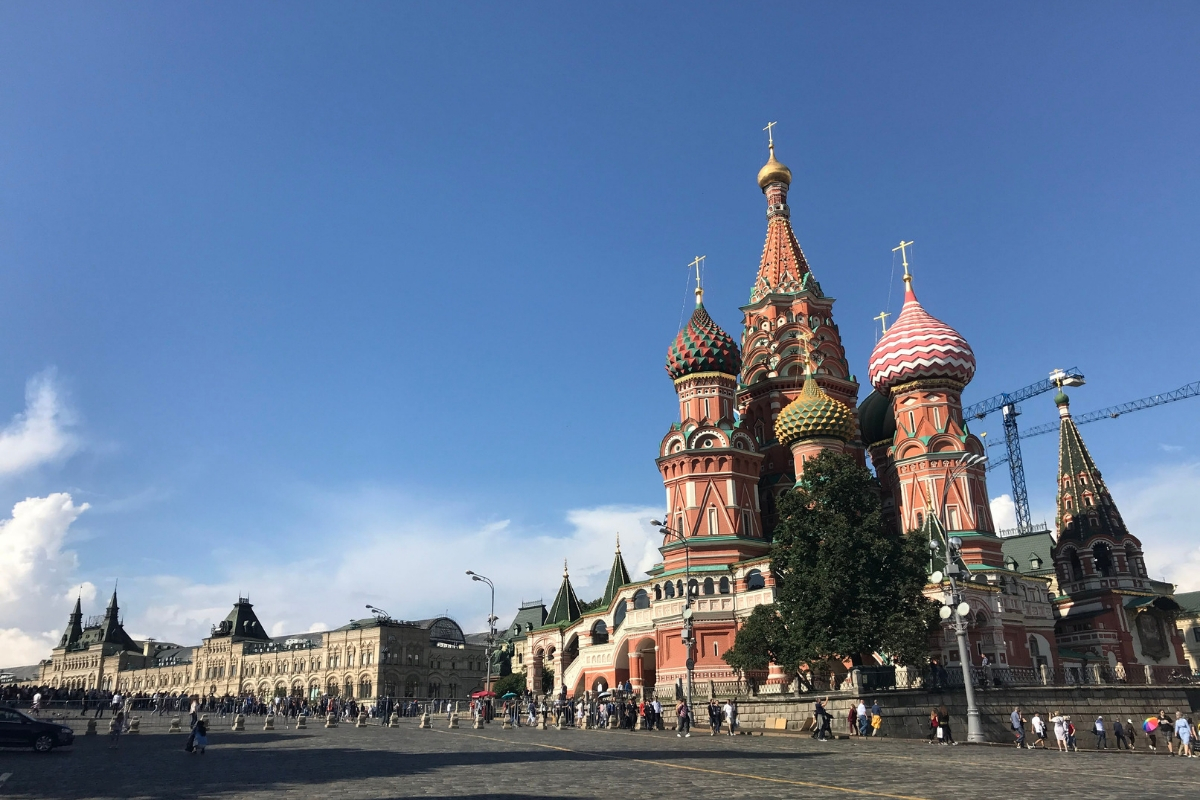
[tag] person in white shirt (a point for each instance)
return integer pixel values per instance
(727, 713)
(36, 706)
(861, 713)
(1060, 731)
(1039, 731)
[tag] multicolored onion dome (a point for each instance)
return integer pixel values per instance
(876, 419)
(815, 414)
(919, 346)
(703, 347)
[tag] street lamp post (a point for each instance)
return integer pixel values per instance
(953, 545)
(689, 639)
(487, 687)
(383, 689)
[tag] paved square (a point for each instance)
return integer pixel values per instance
(377, 762)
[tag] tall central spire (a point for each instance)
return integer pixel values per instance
(783, 268)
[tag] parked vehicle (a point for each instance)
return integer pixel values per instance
(18, 729)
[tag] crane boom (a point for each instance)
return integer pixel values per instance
(1112, 412)
(983, 408)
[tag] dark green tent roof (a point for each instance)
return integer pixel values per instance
(565, 607)
(618, 576)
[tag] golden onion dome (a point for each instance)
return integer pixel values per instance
(773, 172)
(815, 414)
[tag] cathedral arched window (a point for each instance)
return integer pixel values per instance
(693, 588)
(669, 589)
(641, 599)
(1102, 554)
(709, 586)
(755, 580)
(1076, 566)
(657, 592)
(600, 632)
(724, 586)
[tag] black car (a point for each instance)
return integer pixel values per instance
(21, 730)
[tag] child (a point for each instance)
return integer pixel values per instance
(201, 736)
(115, 729)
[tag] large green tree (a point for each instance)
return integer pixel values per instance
(847, 585)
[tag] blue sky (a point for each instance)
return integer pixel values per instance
(299, 281)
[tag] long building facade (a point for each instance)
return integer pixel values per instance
(367, 659)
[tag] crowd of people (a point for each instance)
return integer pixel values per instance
(1178, 731)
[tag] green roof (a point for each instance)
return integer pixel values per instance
(618, 576)
(565, 607)
(1189, 602)
(1024, 547)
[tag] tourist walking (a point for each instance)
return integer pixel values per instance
(876, 718)
(1167, 726)
(1101, 734)
(1119, 734)
(729, 711)
(714, 717)
(1130, 731)
(1183, 732)
(1018, 726)
(116, 728)
(947, 736)
(935, 727)
(683, 715)
(1039, 730)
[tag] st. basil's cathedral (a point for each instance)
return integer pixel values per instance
(749, 419)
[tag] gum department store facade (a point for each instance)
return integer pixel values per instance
(366, 659)
(1086, 600)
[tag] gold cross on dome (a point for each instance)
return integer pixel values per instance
(883, 315)
(697, 262)
(770, 136)
(903, 255)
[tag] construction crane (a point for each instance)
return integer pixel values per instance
(1006, 404)
(1112, 412)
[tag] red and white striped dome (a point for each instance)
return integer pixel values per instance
(919, 346)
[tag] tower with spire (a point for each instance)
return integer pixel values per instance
(920, 368)
(788, 321)
(1109, 608)
(708, 461)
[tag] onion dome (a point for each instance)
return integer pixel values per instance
(773, 172)
(876, 419)
(814, 414)
(1061, 398)
(702, 346)
(919, 345)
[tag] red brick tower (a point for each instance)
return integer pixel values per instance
(786, 307)
(922, 365)
(709, 464)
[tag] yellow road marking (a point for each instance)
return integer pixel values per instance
(807, 784)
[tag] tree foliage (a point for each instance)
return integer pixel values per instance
(513, 682)
(846, 585)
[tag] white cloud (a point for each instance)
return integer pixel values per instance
(37, 576)
(1159, 510)
(1004, 512)
(1170, 448)
(39, 434)
(383, 549)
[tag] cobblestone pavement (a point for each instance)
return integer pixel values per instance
(377, 762)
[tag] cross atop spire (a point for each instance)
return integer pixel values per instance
(883, 315)
(904, 257)
(770, 136)
(698, 262)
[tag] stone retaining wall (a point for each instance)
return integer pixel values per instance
(906, 712)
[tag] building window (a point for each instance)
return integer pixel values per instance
(712, 521)
(709, 587)
(952, 518)
(724, 586)
(746, 531)
(754, 580)
(1196, 633)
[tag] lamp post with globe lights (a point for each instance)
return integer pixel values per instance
(689, 639)
(957, 607)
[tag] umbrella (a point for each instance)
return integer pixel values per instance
(507, 696)
(476, 695)
(605, 693)
(1150, 725)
